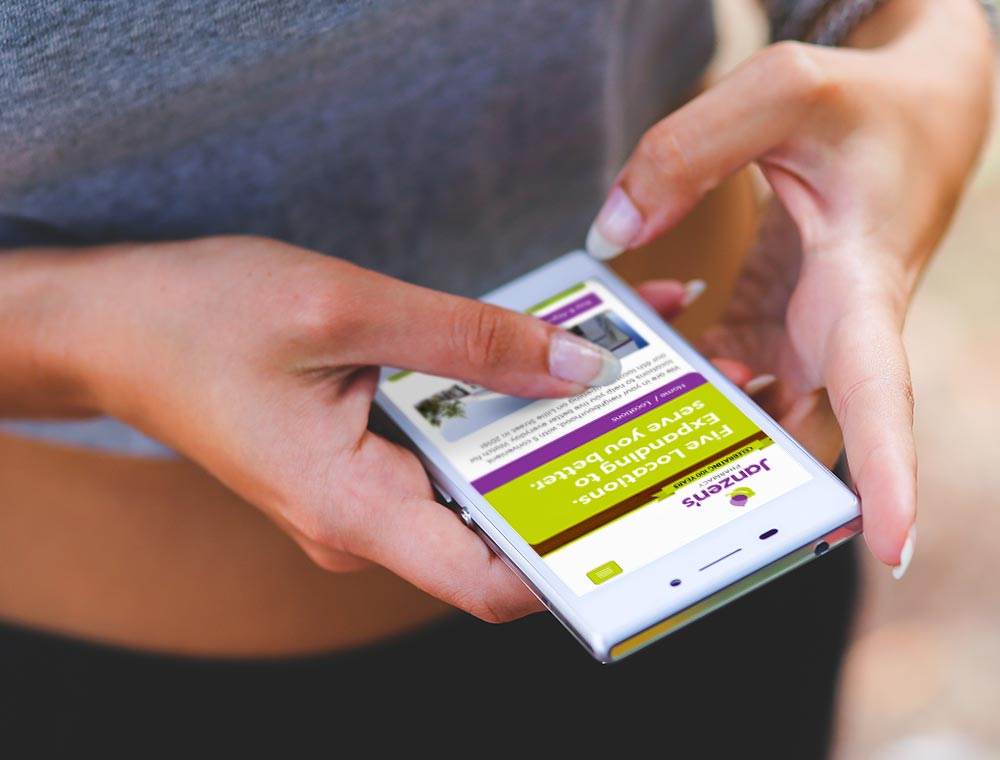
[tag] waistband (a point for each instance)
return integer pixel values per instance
(100, 433)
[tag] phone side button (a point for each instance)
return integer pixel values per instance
(441, 490)
(466, 517)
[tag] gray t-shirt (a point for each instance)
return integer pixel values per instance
(450, 143)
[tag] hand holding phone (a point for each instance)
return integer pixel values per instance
(274, 401)
(629, 509)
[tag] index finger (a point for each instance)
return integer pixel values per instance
(737, 120)
(385, 321)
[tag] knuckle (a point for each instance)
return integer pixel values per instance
(481, 335)
(803, 71)
(483, 608)
(663, 148)
(897, 385)
(473, 603)
(322, 307)
(847, 400)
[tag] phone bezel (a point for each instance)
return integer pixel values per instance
(644, 600)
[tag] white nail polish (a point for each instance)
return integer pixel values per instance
(757, 384)
(599, 247)
(580, 361)
(692, 290)
(906, 555)
(616, 225)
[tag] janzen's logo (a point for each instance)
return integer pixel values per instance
(739, 496)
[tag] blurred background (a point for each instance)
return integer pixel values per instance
(922, 675)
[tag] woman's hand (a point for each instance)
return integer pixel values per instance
(259, 361)
(867, 151)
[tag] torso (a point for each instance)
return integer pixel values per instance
(404, 137)
(155, 554)
(158, 555)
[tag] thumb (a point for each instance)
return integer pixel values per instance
(411, 327)
(870, 391)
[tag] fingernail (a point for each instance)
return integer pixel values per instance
(759, 383)
(906, 555)
(692, 289)
(580, 361)
(616, 225)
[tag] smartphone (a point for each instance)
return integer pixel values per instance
(634, 508)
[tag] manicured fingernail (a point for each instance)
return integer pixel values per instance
(757, 384)
(616, 225)
(906, 555)
(580, 361)
(692, 289)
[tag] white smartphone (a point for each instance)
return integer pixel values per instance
(634, 508)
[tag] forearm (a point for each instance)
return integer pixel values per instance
(44, 328)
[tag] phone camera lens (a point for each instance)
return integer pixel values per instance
(821, 548)
(675, 582)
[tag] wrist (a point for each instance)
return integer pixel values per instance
(964, 20)
(42, 372)
(104, 346)
(941, 57)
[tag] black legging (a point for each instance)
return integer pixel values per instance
(756, 678)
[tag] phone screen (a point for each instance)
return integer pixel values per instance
(613, 479)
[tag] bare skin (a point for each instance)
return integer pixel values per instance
(867, 149)
(235, 553)
(281, 532)
(160, 556)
